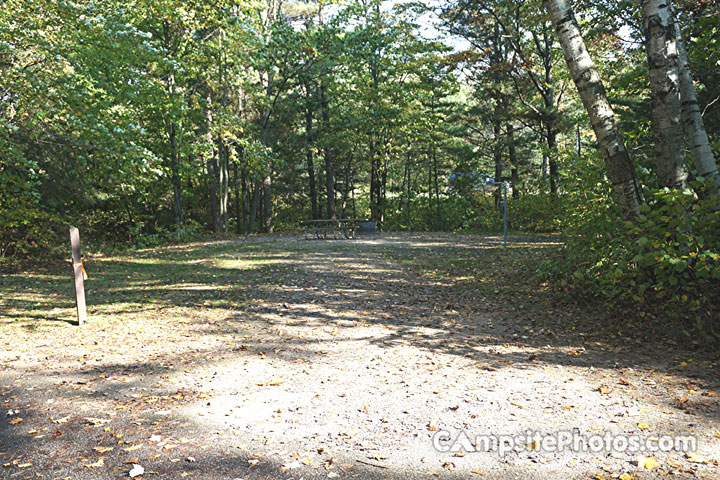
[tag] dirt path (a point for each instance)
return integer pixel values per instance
(280, 358)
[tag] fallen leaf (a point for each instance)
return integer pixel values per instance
(15, 421)
(103, 449)
(626, 476)
(99, 463)
(134, 447)
(648, 463)
(136, 471)
(643, 426)
(696, 458)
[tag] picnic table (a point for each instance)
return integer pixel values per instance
(339, 228)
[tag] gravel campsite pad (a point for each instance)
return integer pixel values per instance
(280, 358)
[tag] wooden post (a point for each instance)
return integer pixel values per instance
(78, 271)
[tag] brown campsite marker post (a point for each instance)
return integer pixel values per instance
(79, 272)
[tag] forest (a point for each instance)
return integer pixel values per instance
(143, 122)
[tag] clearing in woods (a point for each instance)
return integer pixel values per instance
(279, 358)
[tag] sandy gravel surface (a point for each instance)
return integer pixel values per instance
(281, 358)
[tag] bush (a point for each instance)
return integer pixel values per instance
(667, 261)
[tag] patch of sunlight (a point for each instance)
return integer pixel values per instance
(247, 264)
(201, 288)
(44, 277)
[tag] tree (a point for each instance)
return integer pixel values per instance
(592, 93)
(662, 54)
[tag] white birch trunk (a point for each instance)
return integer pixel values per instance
(692, 117)
(662, 55)
(592, 93)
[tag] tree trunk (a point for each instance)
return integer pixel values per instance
(406, 188)
(224, 185)
(436, 184)
(661, 49)
(238, 202)
(374, 181)
(497, 158)
(578, 143)
(592, 93)
(175, 140)
(212, 167)
(267, 178)
(211, 164)
(176, 180)
(328, 154)
(254, 206)
(692, 117)
(550, 113)
(245, 202)
(309, 155)
(512, 157)
(551, 138)
(382, 194)
(267, 200)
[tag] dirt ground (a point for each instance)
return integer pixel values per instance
(281, 358)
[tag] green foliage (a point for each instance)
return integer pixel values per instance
(667, 262)
(539, 213)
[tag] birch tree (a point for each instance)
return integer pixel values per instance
(693, 122)
(592, 93)
(662, 55)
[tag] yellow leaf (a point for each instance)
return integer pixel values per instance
(696, 458)
(648, 463)
(643, 426)
(535, 445)
(103, 449)
(133, 448)
(599, 477)
(25, 465)
(626, 476)
(306, 461)
(15, 421)
(478, 472)
(717, 434)
(99, 463)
